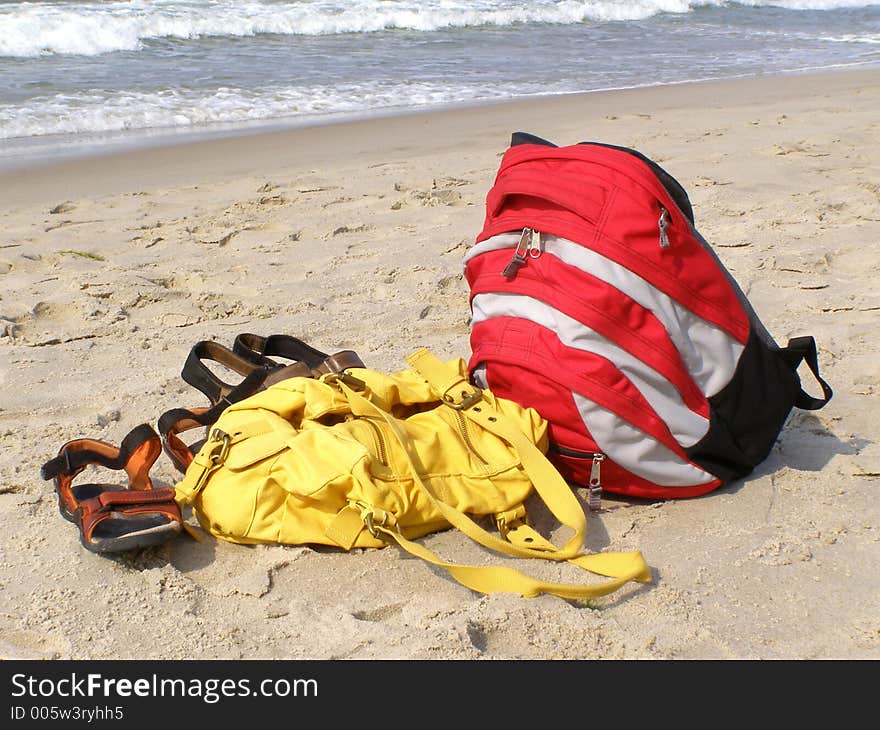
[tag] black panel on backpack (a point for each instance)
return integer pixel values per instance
(749, 413)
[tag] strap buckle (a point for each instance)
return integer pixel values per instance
(468, 398)
(510, 519)
(375, 518)
(217, 454)
(356, 384)
(223, 440)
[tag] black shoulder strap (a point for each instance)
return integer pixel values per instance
(803, 349)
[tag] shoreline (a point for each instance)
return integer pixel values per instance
(351, 236)
(185, 159)
(110, 142)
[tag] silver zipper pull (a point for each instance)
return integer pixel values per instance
(535, 245)
(663, 224)
(519, 254)
(595, 485)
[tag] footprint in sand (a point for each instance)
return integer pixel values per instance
(380, 613)
(350, 229)
(427, 198)
(801, 149)
(64, 207)
(273, 200)
(33, 646)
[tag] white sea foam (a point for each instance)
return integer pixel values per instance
(805, 4)
(53, 88)
(29, 29)
(852, 38)
(87, 113)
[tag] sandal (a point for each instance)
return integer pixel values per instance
(248, 363)
(252, 357)
(307, 361)
(113, 518)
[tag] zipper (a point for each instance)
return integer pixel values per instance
(645, 176)
(379, 440)
(564, 451)
(536, 245)
(594, 485)
(663, 224)
(465, 434)
(529, 246)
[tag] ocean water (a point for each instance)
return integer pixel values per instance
(78, 76)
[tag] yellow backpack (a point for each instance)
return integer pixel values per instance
(360, 459)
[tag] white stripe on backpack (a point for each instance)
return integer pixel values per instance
(709, 353)
(686, 426)
(634, 450)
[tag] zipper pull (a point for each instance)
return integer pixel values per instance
(534, 249)
(519, 254)
(595, 485)
(663, 224)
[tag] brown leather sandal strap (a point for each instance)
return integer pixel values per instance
(331, 364)
(197, 374)
(108, 500)
(341, 361)
(295, 370)
(251, 356)
(179, 420)
(287, 346)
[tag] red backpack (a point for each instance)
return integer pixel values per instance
(596, 301)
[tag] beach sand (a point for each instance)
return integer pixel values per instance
(352, 236)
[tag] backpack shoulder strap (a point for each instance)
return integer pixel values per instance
(552, 488)
(803, 349)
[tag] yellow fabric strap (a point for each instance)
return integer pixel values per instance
(345, 527)
(623, 567)
(547, 481)
(204, 463)
(211, 457)
(362, 406)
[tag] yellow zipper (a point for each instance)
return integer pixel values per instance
(378, 440)
(462, 426)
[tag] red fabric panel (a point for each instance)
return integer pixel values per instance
(532, 390)
(616, 479)
(535, 348)
(598, 305)
(620, 221)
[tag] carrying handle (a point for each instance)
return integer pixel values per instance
(803, 349)
(557, 495)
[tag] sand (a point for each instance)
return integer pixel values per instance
(352, 236)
